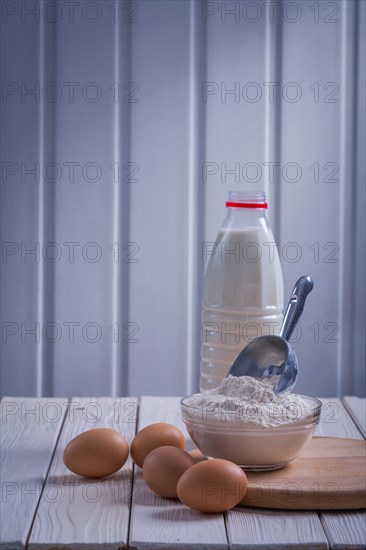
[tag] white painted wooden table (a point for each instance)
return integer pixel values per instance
(44, 506)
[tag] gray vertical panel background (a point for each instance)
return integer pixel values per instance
(20, 200)
(159, 201)
(310, 130)
(84, 208)
(359, 240)
(161, 53)
(235, 116)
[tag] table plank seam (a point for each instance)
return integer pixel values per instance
(352, 414)
(48, 470)
(79, 519)
(158, 523)
(40, 420)
(132, 479)
(323, 514)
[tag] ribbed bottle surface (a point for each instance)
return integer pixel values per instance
(243, 290)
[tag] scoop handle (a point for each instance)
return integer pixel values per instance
(295, 307)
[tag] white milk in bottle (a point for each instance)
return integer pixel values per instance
(243, 286)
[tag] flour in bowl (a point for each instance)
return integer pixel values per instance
(245, 400)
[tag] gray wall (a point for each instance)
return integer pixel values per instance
(132, 134)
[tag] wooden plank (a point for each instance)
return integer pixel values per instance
(343, 529)
(80, 512)
(258, 528)
(29, 431)
(335, 421)
(356, 407)
(158, 522)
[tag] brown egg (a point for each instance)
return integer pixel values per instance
(197, 455)
(163, 467)
(153, 436)
(214, 485)
(96, 453)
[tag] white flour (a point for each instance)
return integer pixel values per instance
(246, 400)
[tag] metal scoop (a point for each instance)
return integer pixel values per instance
(272, 358)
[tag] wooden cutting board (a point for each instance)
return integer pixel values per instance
(329, 474)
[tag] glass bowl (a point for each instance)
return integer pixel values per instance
(234, 435)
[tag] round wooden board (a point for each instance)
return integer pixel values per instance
(329, 474)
